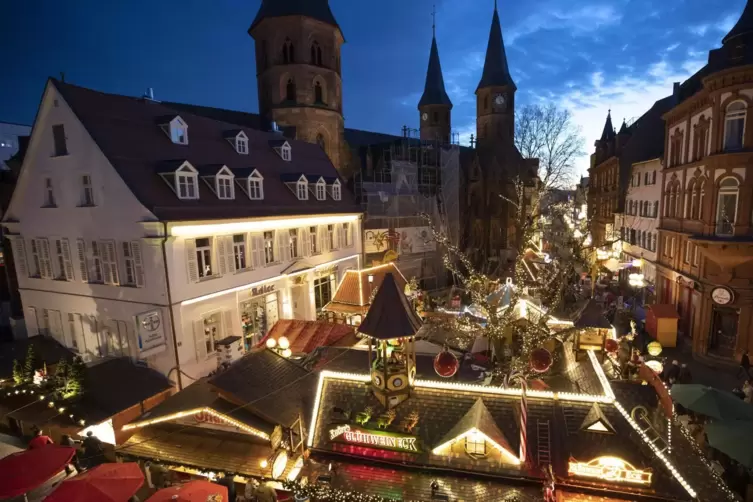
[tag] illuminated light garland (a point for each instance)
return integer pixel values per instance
(199, 230)
(252, 285)
(474, 431)
(675, 473)
(600, 373)
(187, 413)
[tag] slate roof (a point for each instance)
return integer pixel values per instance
(46, 348)
(608, 132)
(743, 26)
(315, 9)
(270, 386)
(441, 410)
(496, 71)
(126, 130)
(391, 315)
(202, 395)
(434, 90)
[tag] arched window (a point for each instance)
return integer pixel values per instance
(290, 90)
(700, 187)
(693, 203)
(677, 212)
(726, 206)
(320, 141)
(734, 126)
(316, 54)
(288, 52)
(318, 94)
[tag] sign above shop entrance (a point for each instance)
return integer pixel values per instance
(262, 290)
(376, 439)
(721, 296)
(610, 469)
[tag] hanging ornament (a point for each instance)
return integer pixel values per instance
(541, 360)
(612, 345)
(446, 364)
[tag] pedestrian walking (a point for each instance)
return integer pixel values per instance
(39, 440)
(66, 440)
(748, 391)
(684, 376)
(744, 365)
(673, 372)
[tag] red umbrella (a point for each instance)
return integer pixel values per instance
(28, 469)
(193, 491)
(104, 483)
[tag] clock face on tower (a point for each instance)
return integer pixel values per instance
(425, 117)
(500, 100)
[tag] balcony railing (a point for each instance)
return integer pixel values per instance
(725, 228)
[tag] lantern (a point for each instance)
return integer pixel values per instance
(271, 343)
(541, 360)
(612, 345)
(446, 364)
(654, 348)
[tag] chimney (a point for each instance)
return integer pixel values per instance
(149, 94)
(676, 92)
(273, 127)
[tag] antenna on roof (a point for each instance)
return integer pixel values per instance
(149, 95)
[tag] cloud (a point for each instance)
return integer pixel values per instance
(629, 95)
(578, 22)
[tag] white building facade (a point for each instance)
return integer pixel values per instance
(639, 224)
(175, 240)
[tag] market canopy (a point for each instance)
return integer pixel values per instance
(733, 439)
(193, 491)
(23, 471)
(103, 483)
(712, 402)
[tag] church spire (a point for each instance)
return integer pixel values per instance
(434, 90)
(608, 132)
(496, 72)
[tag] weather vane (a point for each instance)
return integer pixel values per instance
(434, 20)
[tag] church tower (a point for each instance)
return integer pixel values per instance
(435, 106)
(298, 70)
(495, 94)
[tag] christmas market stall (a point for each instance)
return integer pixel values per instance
(593, 329)
(246, 421)
(356, 291)
(296, 338)
(385, 417)
(72, 398)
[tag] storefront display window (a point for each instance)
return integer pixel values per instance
(212, 331)
(323, 291)
(258, 315)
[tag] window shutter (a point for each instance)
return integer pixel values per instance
(67, 259)
(112, 261)
(198, 334)
(305, 241)
(229, 254)
(19, 256)
(32, 323)
(227, 319)
(258, 250)
(338, 236)
(138, 263)
(283, 246)
(82, 265)
(46, 271)
(221, 245)
(104, 256)
(193, 265)
(351, 238)
(323, 238)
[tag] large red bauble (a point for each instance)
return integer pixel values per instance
(541, 360)
(446, 364)
(612, 345)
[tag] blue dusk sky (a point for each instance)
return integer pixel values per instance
(586, 55)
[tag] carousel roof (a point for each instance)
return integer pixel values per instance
(391, 314)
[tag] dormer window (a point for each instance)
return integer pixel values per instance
(321, 190)
(283, 149)
(187, 182)
(239, 140)
(336, 190)
(255, 186)
(302, 189)
(224, 187)
(178, 131)
(241, 145)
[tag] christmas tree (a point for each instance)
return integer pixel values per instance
(18, 373)
(76, 375)
(61, 375)
(29, 364)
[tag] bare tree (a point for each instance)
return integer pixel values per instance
(549, 134)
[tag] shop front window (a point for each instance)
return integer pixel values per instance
(212, 331)
(322, 292)
(258, 315)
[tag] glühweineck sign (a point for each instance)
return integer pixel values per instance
(377, 439)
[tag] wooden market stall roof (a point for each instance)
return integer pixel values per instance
(353, 295)
(391, 315)
(305, 336)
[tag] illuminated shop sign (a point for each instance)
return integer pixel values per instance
(611, 469)
(377, 439)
